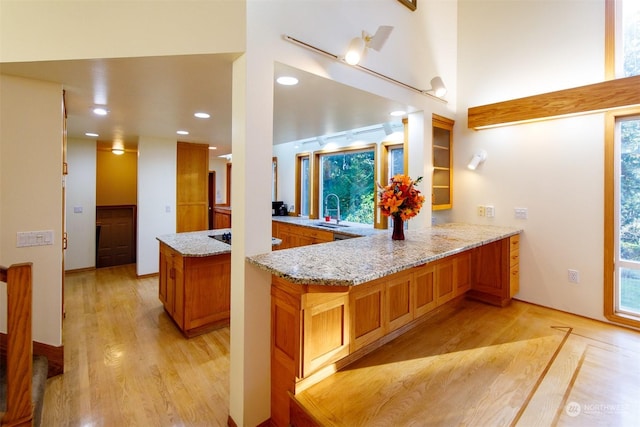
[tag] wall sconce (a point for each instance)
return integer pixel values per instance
(478, 158)
(359, 45)
(437, 87)
(117, 148)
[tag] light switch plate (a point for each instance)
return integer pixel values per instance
(34, 238)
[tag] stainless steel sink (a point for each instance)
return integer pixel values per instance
(330, 225)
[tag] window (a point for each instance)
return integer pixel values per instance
(396, 161)
(629, 50)
(627, 262)
(350, 175)
(622, 173)
(303, 184)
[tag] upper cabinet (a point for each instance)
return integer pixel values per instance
(442, 183)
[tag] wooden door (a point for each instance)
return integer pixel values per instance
(115, 235)
(191, 182)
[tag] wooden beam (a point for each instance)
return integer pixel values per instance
(607, 95)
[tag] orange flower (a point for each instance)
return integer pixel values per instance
(400, 198)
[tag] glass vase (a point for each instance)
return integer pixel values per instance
(398, 229)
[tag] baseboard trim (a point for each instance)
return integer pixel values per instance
(55, 355)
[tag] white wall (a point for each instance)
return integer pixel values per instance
(555, 169)
(156, 198)
(31, 193)
(81, 195)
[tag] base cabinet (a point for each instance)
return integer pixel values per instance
(293, 236)
(317, 330)
(195, 291)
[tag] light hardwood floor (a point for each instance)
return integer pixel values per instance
(126, 364)
(477, 365)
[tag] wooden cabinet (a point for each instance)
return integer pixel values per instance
(317, 330)
(442, 180)
(222, 218)
(195, 291)
(293, 236)
(496, 270)
(192, 172)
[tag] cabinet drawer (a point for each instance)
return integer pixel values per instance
(514, 258)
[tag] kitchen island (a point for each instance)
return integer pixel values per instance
(333, 303)
(195, 279)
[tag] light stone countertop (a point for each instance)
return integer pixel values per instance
(199, 244)
(355, 261)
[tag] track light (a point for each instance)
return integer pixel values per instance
(359, 45)
(478, 158)
(437, 87)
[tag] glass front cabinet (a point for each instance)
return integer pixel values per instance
(442, 182)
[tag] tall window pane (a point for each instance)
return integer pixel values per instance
(350, 176)
(304, 186)
(396, 161)
(628, 253)
(631, 37)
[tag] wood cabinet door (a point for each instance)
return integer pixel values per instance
(192, 200)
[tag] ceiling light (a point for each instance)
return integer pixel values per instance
(182, 132)
(202, 115)
(287, 80)
(95, 135)
(478, 158)
(100, 111)
(437, 87)
(213, 148)
(359, 45)
(117, 151)
(398, 113)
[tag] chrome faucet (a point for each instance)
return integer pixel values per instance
(326, 199)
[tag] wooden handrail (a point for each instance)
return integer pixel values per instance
(19, 411)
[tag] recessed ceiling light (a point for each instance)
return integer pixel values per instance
(100, 111)
(287, 80)
(91, 134)
(397, 113)
(213, 148)
(182, 132)
(202, 115)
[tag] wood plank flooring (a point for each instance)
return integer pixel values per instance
(126, 364)
(477, 365)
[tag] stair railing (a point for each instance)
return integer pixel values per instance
(19, 411)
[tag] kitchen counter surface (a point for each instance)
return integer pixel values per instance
(355, 261)
(199, 244)
(353, 229)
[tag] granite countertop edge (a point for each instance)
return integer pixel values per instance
(196, 244)
(356, 261)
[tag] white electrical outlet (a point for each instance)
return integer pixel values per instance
(573, 276)
(489, 211)
(520, 213)
(481, 211)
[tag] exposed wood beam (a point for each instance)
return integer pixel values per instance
(607, 95)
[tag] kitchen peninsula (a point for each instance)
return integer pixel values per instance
(195, 279)
(333, 303)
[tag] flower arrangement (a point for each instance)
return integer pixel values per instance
(400, 199)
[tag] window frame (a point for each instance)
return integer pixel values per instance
(611, 184)
(314, 210)
(612, 32)
(300, 157)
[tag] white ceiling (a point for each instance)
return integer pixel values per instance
(157, 96)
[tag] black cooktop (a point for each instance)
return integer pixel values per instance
(224, 237)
